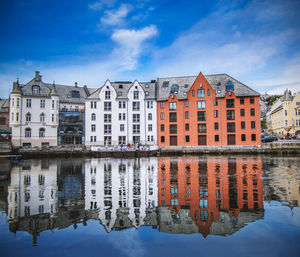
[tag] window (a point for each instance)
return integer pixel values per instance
(41, 132)
(122, 140)
(149, 127)
(162, 105)
(136, 128)
(217, 138)
(187, 139)
(186, 103)
(149, 116)
(229, 86)
(253, 124)
(230, 114)
(215, 102)
(187, 126)
(93, 127)
(252, 112)
(107, 128)
(208, 92)
(173, 117)
(216, 125)
(201, 116)
(243, 137)
(93, 104)
(17, 116)
(42, 117)
(107, 95)
(136, 95)
(162, 139)
(42, 103)
(135, 117)
(216, 113)
(122, 104)
(230, 127)
(193, 92)
(107, 106)
(252, 100)
(186, 114)
(203, 203)
(135, 106)
(173, 129)
(53, 104)
(201, 104)
(172, 106)
(162, 127)
(242, 112)
(162, 115)
(18, 102)
(2, 120)
(28, 117)
(107, 117)
(242, 101)
(27, 132)
(149, 104)
(201, 128)
(243, 125)
(93, 116)
(253, 137)
(122, 127)
(200, 92)
(28, 103)
(174, 89)
(35, 90)
(203, 215)
(75, 94)
(165, 84)
(230, 103)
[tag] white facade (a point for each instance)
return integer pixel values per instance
(121, 190)
(121, 114)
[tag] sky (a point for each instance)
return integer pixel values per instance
(90, 41)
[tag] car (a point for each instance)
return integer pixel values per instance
(268, 139)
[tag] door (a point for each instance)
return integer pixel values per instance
(173, 140)
(201, 140)
(231, 139)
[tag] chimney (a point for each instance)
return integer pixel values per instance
(75, 84)
(37, 76)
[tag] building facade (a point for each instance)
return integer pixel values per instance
(284, 115)
(212, 110)
(121, 113)
(4, 114)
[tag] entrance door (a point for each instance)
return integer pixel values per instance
(231, 139)
(201, 140)
(173, 140)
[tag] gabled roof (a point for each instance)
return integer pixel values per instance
(218, 83)
(4, 105)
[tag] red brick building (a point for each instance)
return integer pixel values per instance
(211, 110)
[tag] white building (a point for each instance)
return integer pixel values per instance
(122, 190)
(121, 113)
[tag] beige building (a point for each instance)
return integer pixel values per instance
(284, 115)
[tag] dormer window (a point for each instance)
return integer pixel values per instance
(135, 94)
(119, 93)
(35, 90)
(146, 93)
(107, 95)
(146, 86)
(120, 86)
(174, 89)
(75, 94)
(229, 86)
(165, 84)
(186, 85)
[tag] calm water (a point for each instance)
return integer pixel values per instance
(170, 206)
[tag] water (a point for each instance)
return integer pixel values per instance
(169, 206)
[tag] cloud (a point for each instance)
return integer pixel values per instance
(131, 44)
(99, 5)
(116, 17)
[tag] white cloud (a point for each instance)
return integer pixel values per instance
(99, 5)
(131, 44)
(116, 17)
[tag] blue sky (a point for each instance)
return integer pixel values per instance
(257, 42)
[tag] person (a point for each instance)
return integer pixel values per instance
(121, 147)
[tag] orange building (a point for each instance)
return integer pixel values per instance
(211, 185)
(212, 110)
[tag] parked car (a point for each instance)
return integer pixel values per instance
(268, 139)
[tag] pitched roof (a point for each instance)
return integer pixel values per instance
(217, 81)
(4, 105)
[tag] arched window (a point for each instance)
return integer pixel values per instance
(93, 116)
(12, 116)
(28, 116)
(41, 132)
(229, 86)
(28, 132)
(35, 90)
(42, 117)
(149, 116)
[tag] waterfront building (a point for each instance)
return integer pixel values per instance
(210, 110)
(202, 195)
(4, 114)
(121, 113)
(284, 115)
(43, 114)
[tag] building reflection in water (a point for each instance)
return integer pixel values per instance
(209, 195)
